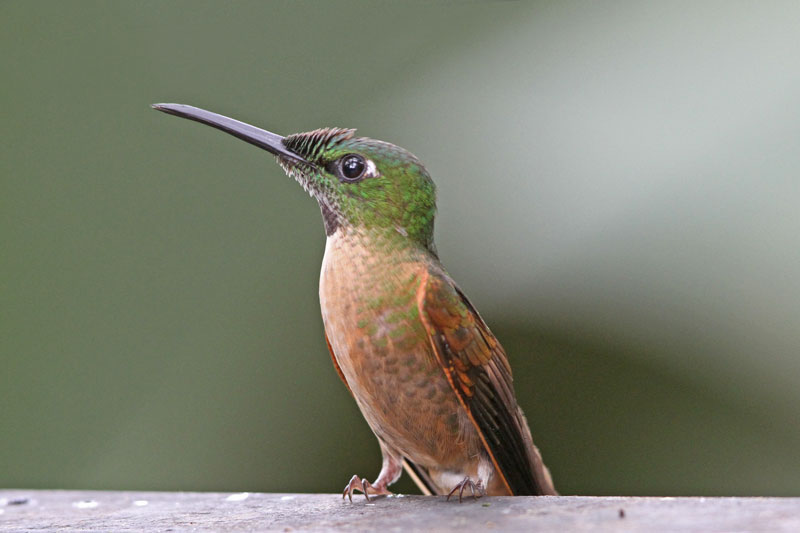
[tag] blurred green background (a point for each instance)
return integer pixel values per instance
(618, 194)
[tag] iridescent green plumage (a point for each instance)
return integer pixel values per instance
(400, 198)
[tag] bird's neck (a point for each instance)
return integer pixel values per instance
(392, 243)
(370, 259)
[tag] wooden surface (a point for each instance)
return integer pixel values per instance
(30, 510)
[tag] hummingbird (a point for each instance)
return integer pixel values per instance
(432, 381)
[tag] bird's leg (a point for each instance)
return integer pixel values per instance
(390, 472)
(473, 487)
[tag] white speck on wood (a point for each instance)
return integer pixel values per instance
(85, 504)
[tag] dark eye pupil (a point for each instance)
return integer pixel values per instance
(352, 167)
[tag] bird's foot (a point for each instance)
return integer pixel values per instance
(362, 485)
(476, 489)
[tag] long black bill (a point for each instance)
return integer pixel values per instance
(269, 141)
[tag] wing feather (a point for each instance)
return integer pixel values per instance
(336, 365)
(478, 371)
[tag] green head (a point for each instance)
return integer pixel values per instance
(358, 182)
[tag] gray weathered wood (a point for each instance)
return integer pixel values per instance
(31, 510)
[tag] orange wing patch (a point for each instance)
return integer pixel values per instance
(336, 364)
(468, 342)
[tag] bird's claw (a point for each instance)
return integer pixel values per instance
(356, 483)
(467, 482)
(364, 486)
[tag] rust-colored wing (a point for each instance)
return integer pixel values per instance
(478, 370)
(336, 364)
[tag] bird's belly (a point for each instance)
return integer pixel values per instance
(384, 353)
(407, 405)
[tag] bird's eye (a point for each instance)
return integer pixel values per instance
(352, 167)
